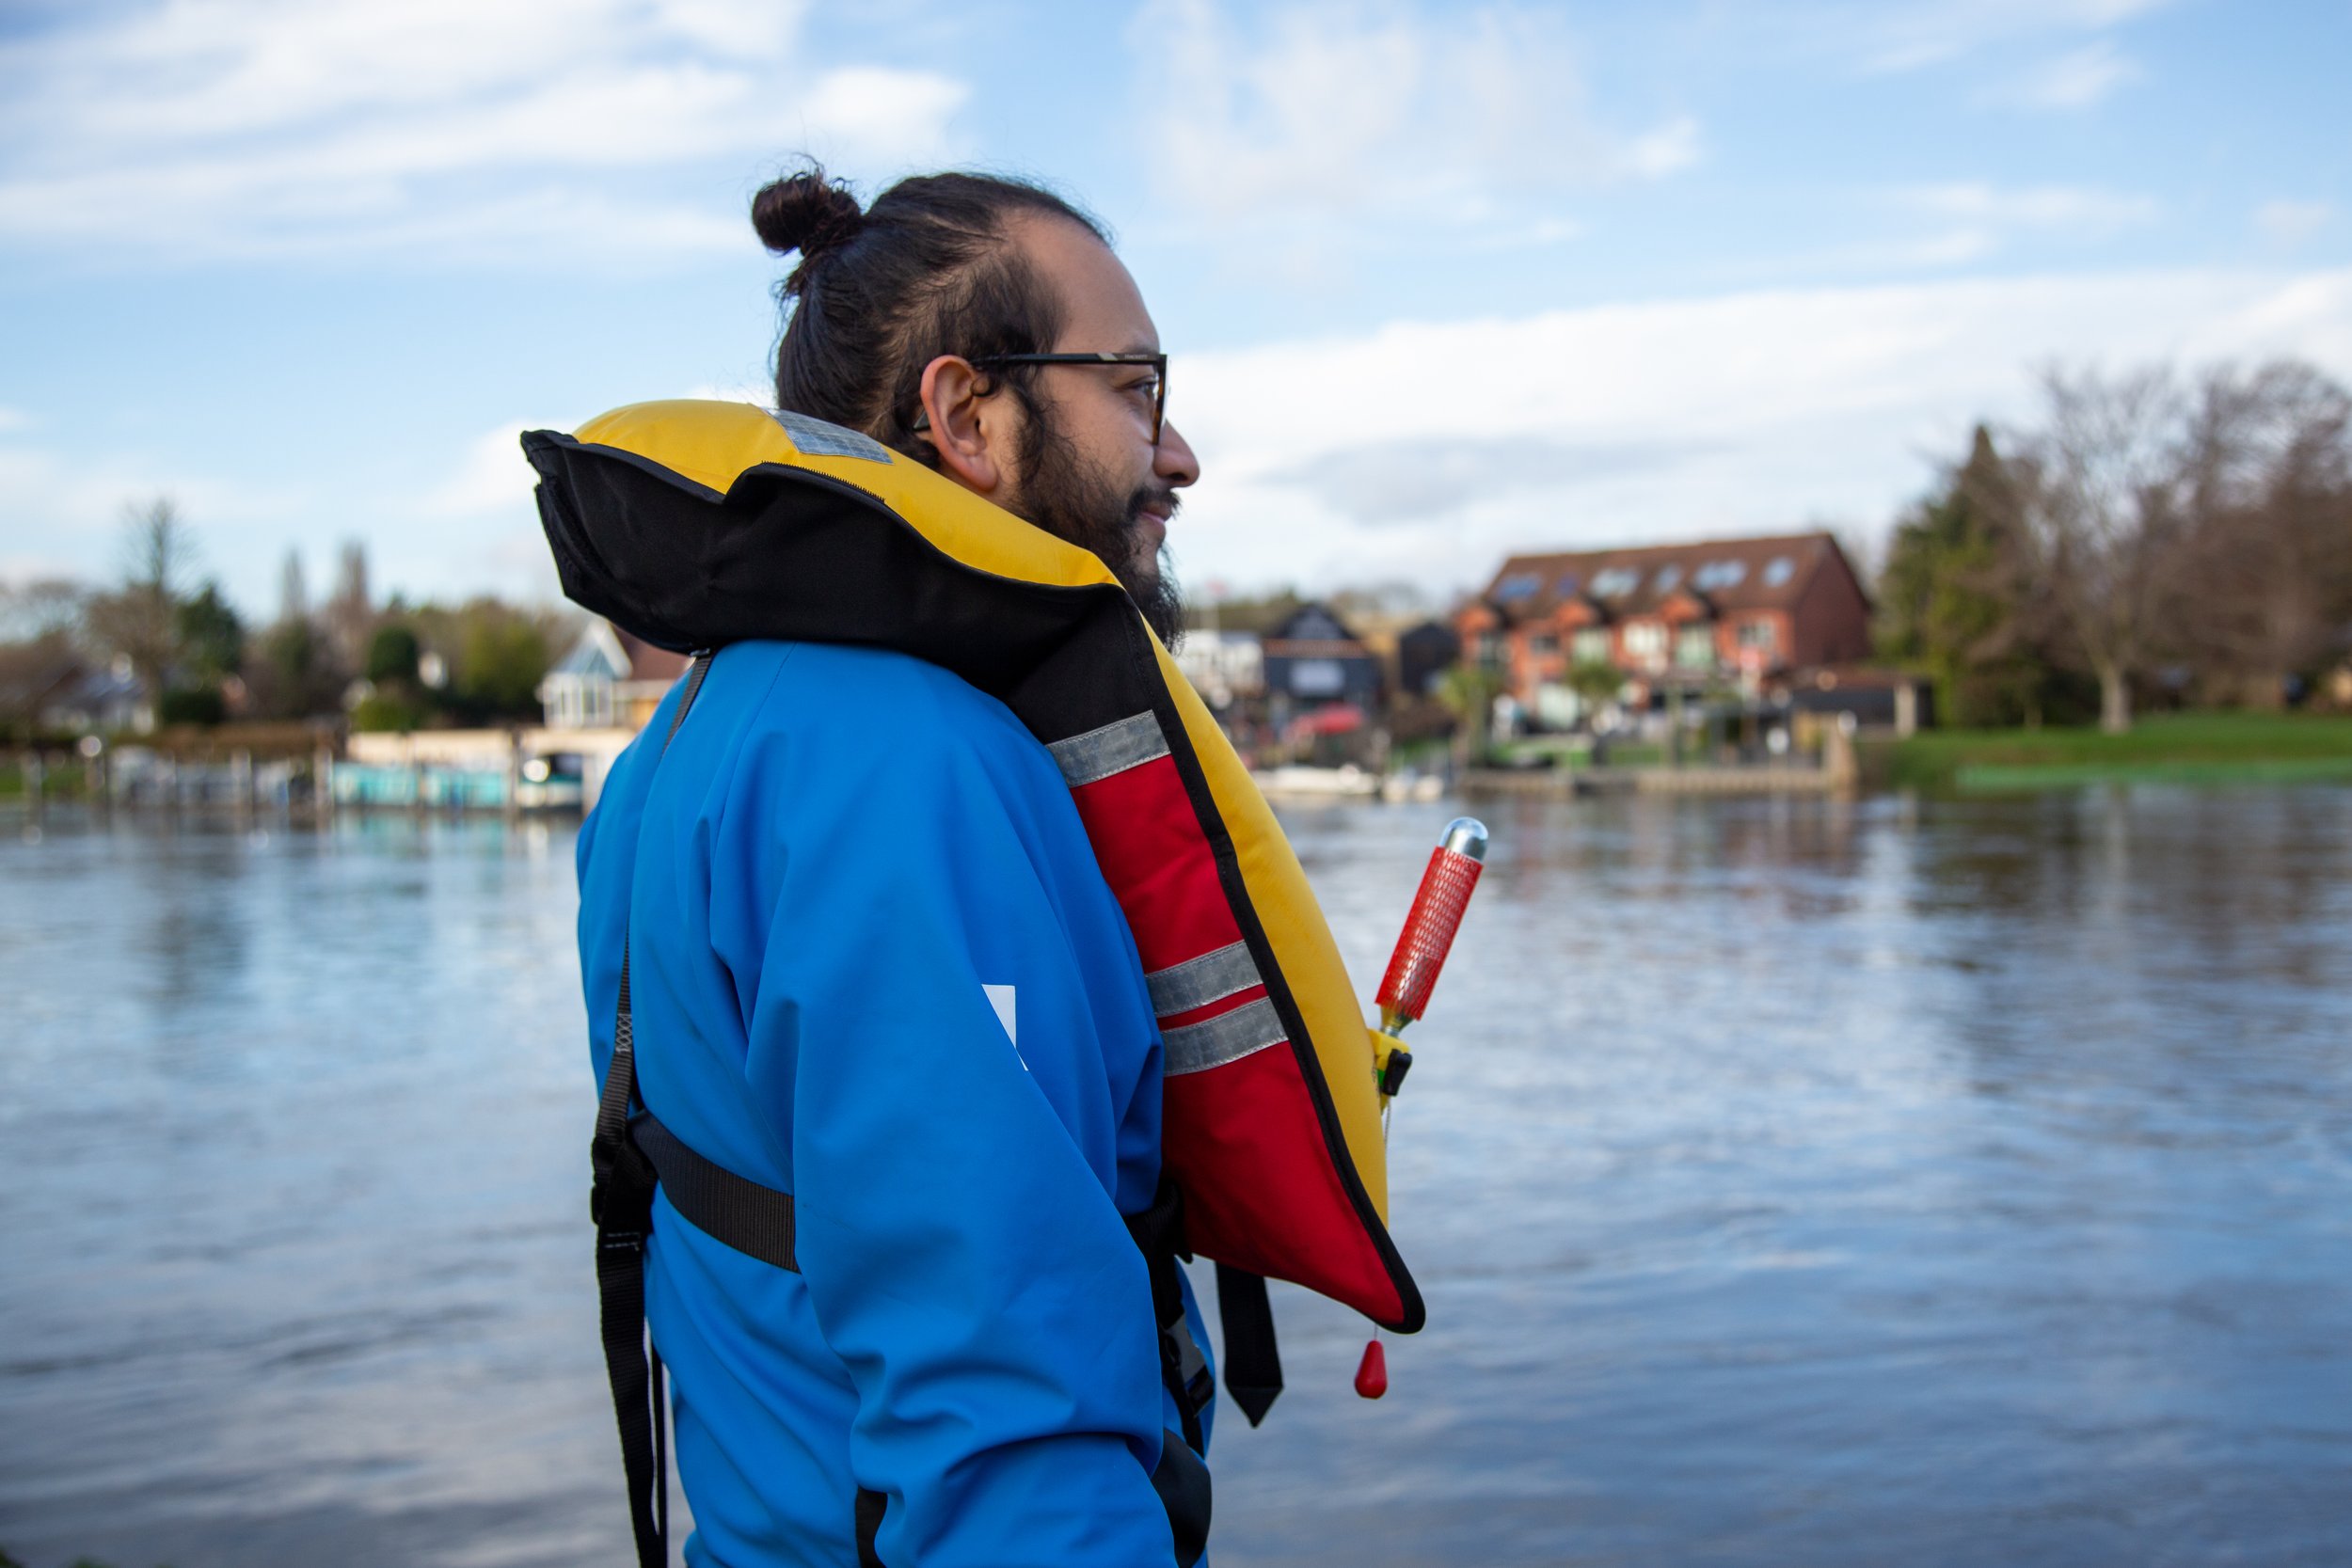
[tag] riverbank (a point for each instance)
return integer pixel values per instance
(2205, 748)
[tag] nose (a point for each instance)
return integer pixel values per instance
(1173, 464)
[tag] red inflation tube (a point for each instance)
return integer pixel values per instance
(1421, 950)
(1435, 915)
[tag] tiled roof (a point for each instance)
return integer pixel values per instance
(1730, 574)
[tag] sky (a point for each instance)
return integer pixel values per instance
(1438, 282)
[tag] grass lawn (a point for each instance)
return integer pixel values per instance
(2188, 749)
(1574, 751)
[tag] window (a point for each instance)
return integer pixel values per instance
(1490, 651)
(1666, 578)
(1318, 678)
(1591, 646)
(1518, 585)
(1543, 644)
(1567, 585)
(1720, 574)
(1759, 634)
(1695, 646)
(1616, 583)
(1646, 642)
(1778, 570)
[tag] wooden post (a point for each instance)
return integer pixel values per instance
(1838, 754)
(323, 783)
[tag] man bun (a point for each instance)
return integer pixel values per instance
(806, 213)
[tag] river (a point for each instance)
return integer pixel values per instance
(1791, 1182)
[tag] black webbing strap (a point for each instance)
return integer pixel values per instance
(1253, 1365)
(753, 1219)
(1159, 1235)
(621, 1200)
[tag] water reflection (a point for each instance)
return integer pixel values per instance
(1791, 1182)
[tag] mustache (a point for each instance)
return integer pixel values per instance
(1155, 496)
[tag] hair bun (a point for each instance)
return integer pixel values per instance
(806, 213)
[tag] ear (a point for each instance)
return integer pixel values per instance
(969, 429)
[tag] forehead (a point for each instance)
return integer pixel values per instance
(1103, 310)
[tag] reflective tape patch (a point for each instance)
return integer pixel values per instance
(1226, 1038)
(816, 438)
(1116, 746)
(1197, 982)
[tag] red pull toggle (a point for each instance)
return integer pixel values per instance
(1372, 1372)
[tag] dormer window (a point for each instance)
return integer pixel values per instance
(1518, 585)
(1720, 574)
(1616, 583)
(1778, 570)
(1666, 578)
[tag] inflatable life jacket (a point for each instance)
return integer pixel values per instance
(696, 524)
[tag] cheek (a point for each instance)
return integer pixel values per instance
(1115, 447)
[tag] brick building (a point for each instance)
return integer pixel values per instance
(1667, 616)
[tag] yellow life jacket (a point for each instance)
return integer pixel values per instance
(696, 524)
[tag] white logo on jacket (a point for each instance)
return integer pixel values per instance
(1001, 998)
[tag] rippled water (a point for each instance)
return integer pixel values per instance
(1791, 1182)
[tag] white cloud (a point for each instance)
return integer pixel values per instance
(237, 126)
(1317, 116)
(2077, 79)
(2067, 207)
(2291, 223)
(493, 477)
(1909, 36)
(759, 393)
(1971, 220)
(1426, 450)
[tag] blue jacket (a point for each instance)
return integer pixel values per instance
(874, 965)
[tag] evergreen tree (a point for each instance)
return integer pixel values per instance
(1955, 600)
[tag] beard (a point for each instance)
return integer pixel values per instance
(1072, 498)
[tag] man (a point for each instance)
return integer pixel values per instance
(872, 961)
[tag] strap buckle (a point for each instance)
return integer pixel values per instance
(621, 1186)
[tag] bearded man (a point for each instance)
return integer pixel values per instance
(855, 920)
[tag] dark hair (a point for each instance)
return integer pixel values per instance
(881, 292)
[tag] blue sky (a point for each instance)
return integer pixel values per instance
(1439, 281)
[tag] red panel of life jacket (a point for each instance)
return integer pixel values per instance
(1242, 1135)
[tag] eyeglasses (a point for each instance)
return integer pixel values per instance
(1157, 361)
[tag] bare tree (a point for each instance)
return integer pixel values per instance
(293, 591)
(140, 620)
(2264, 582)
(2101, 511)
(40, 609)
(350, 615)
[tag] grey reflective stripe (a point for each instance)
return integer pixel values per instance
(1197, 982)
(815, 439)
(1226, 1037)
(1116, 746)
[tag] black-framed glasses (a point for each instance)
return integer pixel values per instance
(1157, 361)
